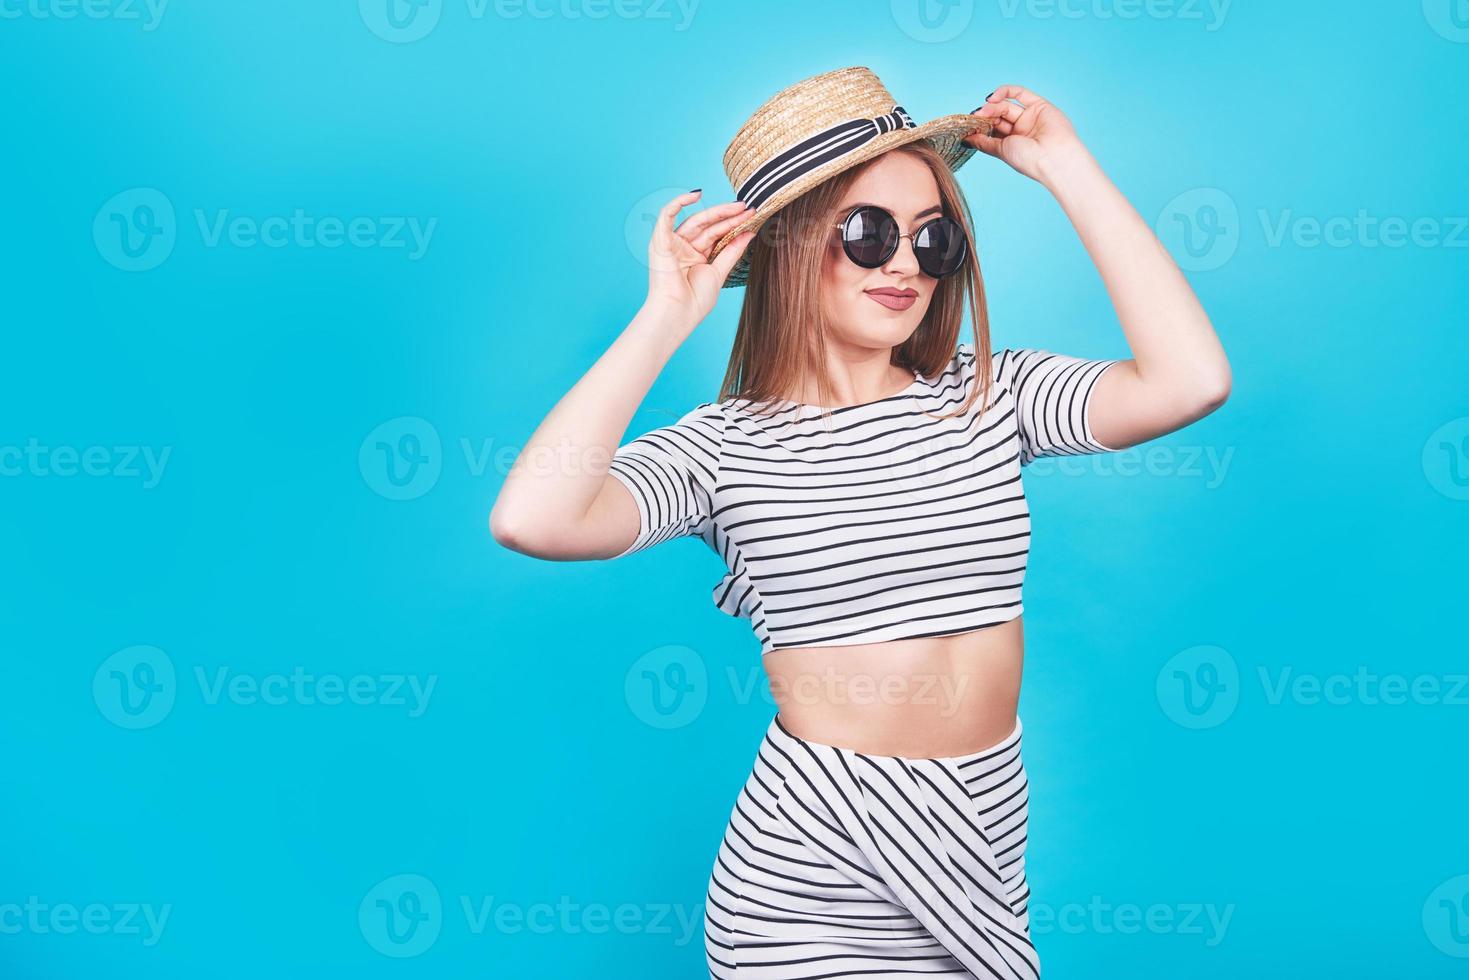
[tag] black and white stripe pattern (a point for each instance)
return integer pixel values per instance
(879, 523)
(830, 144)
(841, 864)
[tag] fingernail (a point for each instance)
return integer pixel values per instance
(696, 190)
(975, 109)
(990, 96)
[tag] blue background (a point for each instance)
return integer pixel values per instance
(1326, 539)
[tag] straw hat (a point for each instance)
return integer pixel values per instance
(817, 128)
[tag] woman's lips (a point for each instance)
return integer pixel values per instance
(894, 299)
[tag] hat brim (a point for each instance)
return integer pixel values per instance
(946, 134)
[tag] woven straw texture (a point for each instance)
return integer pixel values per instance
(810, 106)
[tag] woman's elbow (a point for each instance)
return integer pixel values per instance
(1203, 388)
(509, 531)
(1214, 390)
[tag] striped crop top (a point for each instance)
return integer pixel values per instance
(880, 523)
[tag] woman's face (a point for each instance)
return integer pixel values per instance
(905, 187)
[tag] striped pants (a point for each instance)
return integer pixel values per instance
(841, 864)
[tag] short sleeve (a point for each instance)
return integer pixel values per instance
(671, 472)
(1052, 394)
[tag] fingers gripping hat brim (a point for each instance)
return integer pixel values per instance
(818, 128)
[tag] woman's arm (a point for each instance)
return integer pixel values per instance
(558, 501)
(1178, 372)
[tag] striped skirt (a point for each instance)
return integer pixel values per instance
(841, 864)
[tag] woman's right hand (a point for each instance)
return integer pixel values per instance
(682, 282)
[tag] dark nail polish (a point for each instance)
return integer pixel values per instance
(990, 96)
(696, 190)
(975, 109)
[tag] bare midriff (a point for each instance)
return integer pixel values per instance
(926, 698)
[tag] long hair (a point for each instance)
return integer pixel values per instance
(781, 337)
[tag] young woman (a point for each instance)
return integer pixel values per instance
(860, 477)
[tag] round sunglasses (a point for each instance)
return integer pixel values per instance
(870, 237)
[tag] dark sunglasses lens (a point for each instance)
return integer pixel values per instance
(869, 235)
(940, 247)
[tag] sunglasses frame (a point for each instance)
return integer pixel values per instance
(912, 236)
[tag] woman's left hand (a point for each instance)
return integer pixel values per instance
(1025, 136)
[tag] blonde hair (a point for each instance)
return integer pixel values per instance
(775, 346)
